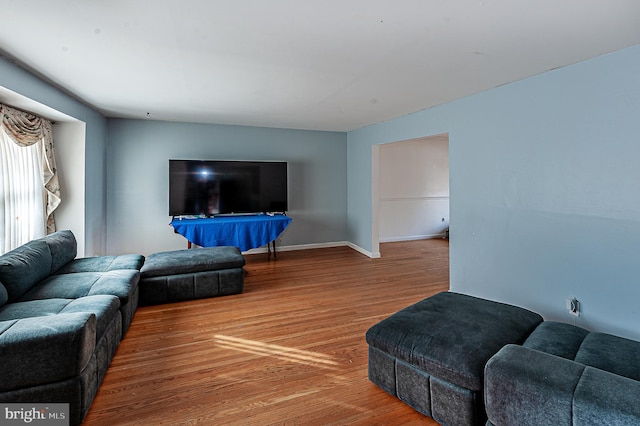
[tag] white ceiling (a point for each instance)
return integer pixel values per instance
(306, 64)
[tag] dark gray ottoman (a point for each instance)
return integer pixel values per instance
(173, 276)
(431, 355)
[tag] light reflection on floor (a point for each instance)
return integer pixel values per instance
(267, 349)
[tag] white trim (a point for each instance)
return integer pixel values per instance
(298, 247)
(413, 238)
(360, 250)
(375, 203)
(316, 246)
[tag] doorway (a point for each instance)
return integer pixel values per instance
(410, 190)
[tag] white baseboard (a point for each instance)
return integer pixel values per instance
(343, 244)
(412, 238)
(298, 247)
(316, 246)
(363, 251)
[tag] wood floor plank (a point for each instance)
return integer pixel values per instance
(289, 350)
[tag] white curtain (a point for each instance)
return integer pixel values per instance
(29, 189)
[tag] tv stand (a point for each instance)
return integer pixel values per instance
(242, 231)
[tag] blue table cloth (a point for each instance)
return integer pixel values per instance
(244, 232)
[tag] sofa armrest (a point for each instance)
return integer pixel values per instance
(45, 349)
(527, 387)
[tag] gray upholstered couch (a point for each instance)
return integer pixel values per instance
(61, 320)
(463, 360)
(564, 375)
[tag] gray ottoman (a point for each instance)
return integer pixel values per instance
(173, 276)
(431, 355)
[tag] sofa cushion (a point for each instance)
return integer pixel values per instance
(23, 267)
(45, 350)
(557, 338)
(34, 308)
(103, 264)
(63, 247)
(120, 283)
(191, 261)
(102, 306)
(611, 353)
(604, 351)
(603, 398)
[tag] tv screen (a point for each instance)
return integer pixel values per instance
(208, 187)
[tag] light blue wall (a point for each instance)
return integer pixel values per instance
(138, 177)
(28, 85)
(543, 177)
(545, 190)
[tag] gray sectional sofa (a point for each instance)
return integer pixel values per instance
(564, 375)
(469, 361)
(61, 320)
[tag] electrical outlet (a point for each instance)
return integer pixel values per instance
(573, 306)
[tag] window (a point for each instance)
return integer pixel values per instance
(29, 189)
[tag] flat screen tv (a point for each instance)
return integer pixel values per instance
(212, 187)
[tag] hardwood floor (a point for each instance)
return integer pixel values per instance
(290, 350)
